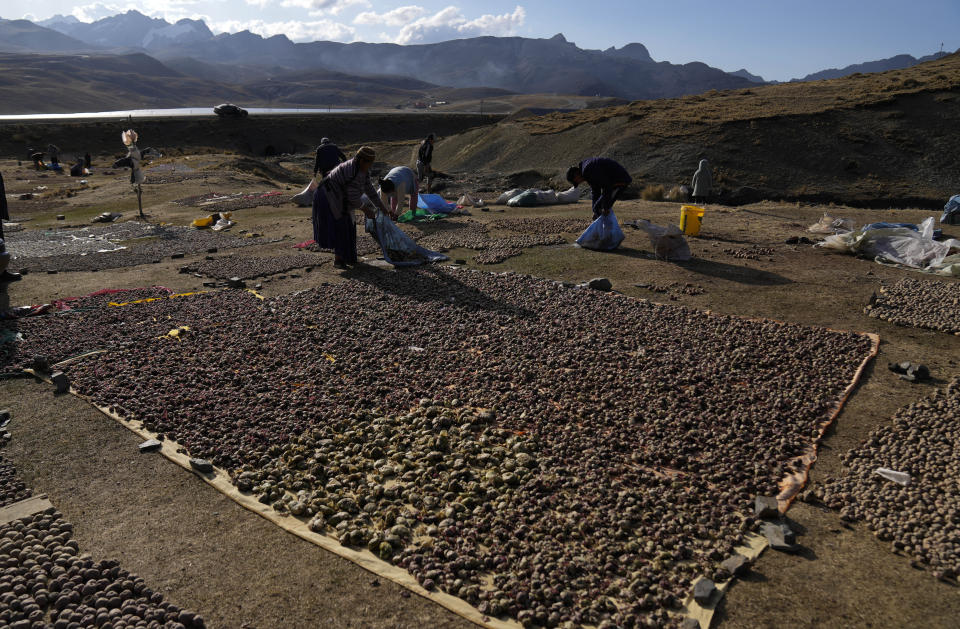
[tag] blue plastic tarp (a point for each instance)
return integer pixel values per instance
(397, 247)
(885, 225)
(603, 234)
(951, 211)
(435, 202)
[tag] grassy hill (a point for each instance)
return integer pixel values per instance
(876, 139)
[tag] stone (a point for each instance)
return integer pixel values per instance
(40, 363)
(235, 282)
(460, 261)
(703, 591)
(61, 217)
(258, 286)
(202, 465)
(4, 417)
(736, 565)
(778, 537)
(766, 507)
(176, 256)
(60, 382)
(600, 283)
(210, 284)
(150, 445)
(690, 623)
(52, 271)
(212, 250)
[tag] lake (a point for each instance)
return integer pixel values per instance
(154, 113)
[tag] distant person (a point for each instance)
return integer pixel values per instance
(339, 194)
(329, 156)
(396, 185)
(54, 152)
(702, 183)
(606, 178)
(37, 158)
(77, 169)
(425, 162)
(6, 276)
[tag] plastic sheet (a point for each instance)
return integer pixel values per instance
(951, 211)
(901, 246)
(435, 202)
(398, 248)
(829, 224)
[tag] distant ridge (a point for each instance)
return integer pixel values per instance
(898, 62)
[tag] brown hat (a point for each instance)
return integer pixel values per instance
(366, 153)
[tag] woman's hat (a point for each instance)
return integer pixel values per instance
(367, 154)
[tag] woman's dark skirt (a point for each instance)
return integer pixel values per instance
(330, 233)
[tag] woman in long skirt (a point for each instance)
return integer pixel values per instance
(338, 196)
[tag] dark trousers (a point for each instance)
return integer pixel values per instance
(332, 233)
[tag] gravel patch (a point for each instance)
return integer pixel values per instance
(921, 519)
(12, 487)
(930, 304)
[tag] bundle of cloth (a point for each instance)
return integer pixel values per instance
(530, 197)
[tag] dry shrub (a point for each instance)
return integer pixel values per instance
(652, 193)
(676, 193)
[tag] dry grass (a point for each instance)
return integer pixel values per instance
(652, 193)
(681, 116)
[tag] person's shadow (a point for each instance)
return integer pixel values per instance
(431, 284)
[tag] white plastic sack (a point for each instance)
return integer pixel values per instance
(829, 224)
(546, 197)
(603, 234)
(398, 248)
(509, 194)
(305, 198)
(668, 242)
(902, 246)
(569, 196)
(468, 201)
(222, 224)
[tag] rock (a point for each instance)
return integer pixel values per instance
(4, 417)
(235, 282)
(40, 363)
(210, 284)
(258, 286)
(61, 217)
(600, 283)
(176, 256)
(779, 538)
(703, 591)
(202, 465)
(212, 250)
(150, 445)
(766, 507)
(690, 623)
(52, 271)
(60, 382)
(736, 565)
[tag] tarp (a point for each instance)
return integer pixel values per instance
(903, 247)
(304, 198)
(398, 248)
(434, 202)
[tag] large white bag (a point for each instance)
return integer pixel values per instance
(398, 248)
(603, 234)
(305, 198)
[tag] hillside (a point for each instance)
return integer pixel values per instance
(880, 139)
(898, 62)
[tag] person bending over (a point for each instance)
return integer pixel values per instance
(606, 178)
(396, 185)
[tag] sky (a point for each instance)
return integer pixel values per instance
(775, 39)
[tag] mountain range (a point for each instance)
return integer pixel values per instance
(515, 64)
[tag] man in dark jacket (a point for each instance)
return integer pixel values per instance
(6, 276)
(424, 161)
(606, 177)
(329, 156)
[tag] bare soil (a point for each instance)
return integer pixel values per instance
(235, 568)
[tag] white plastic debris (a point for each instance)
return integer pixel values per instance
(901, 478)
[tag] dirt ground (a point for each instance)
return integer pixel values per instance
(238, 570)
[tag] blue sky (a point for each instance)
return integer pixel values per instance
(775, 39)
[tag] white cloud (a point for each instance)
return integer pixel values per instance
(296, 30)
(450, 23)
(397, 17)
(170, 10)
(315, 7)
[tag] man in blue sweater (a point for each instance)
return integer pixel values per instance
(606, 177)
(329, 156)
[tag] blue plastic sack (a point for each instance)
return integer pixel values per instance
(603, 234)
(397, 247)
(951, 211)
(434, 202)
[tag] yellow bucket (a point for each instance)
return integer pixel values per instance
(690, 218)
